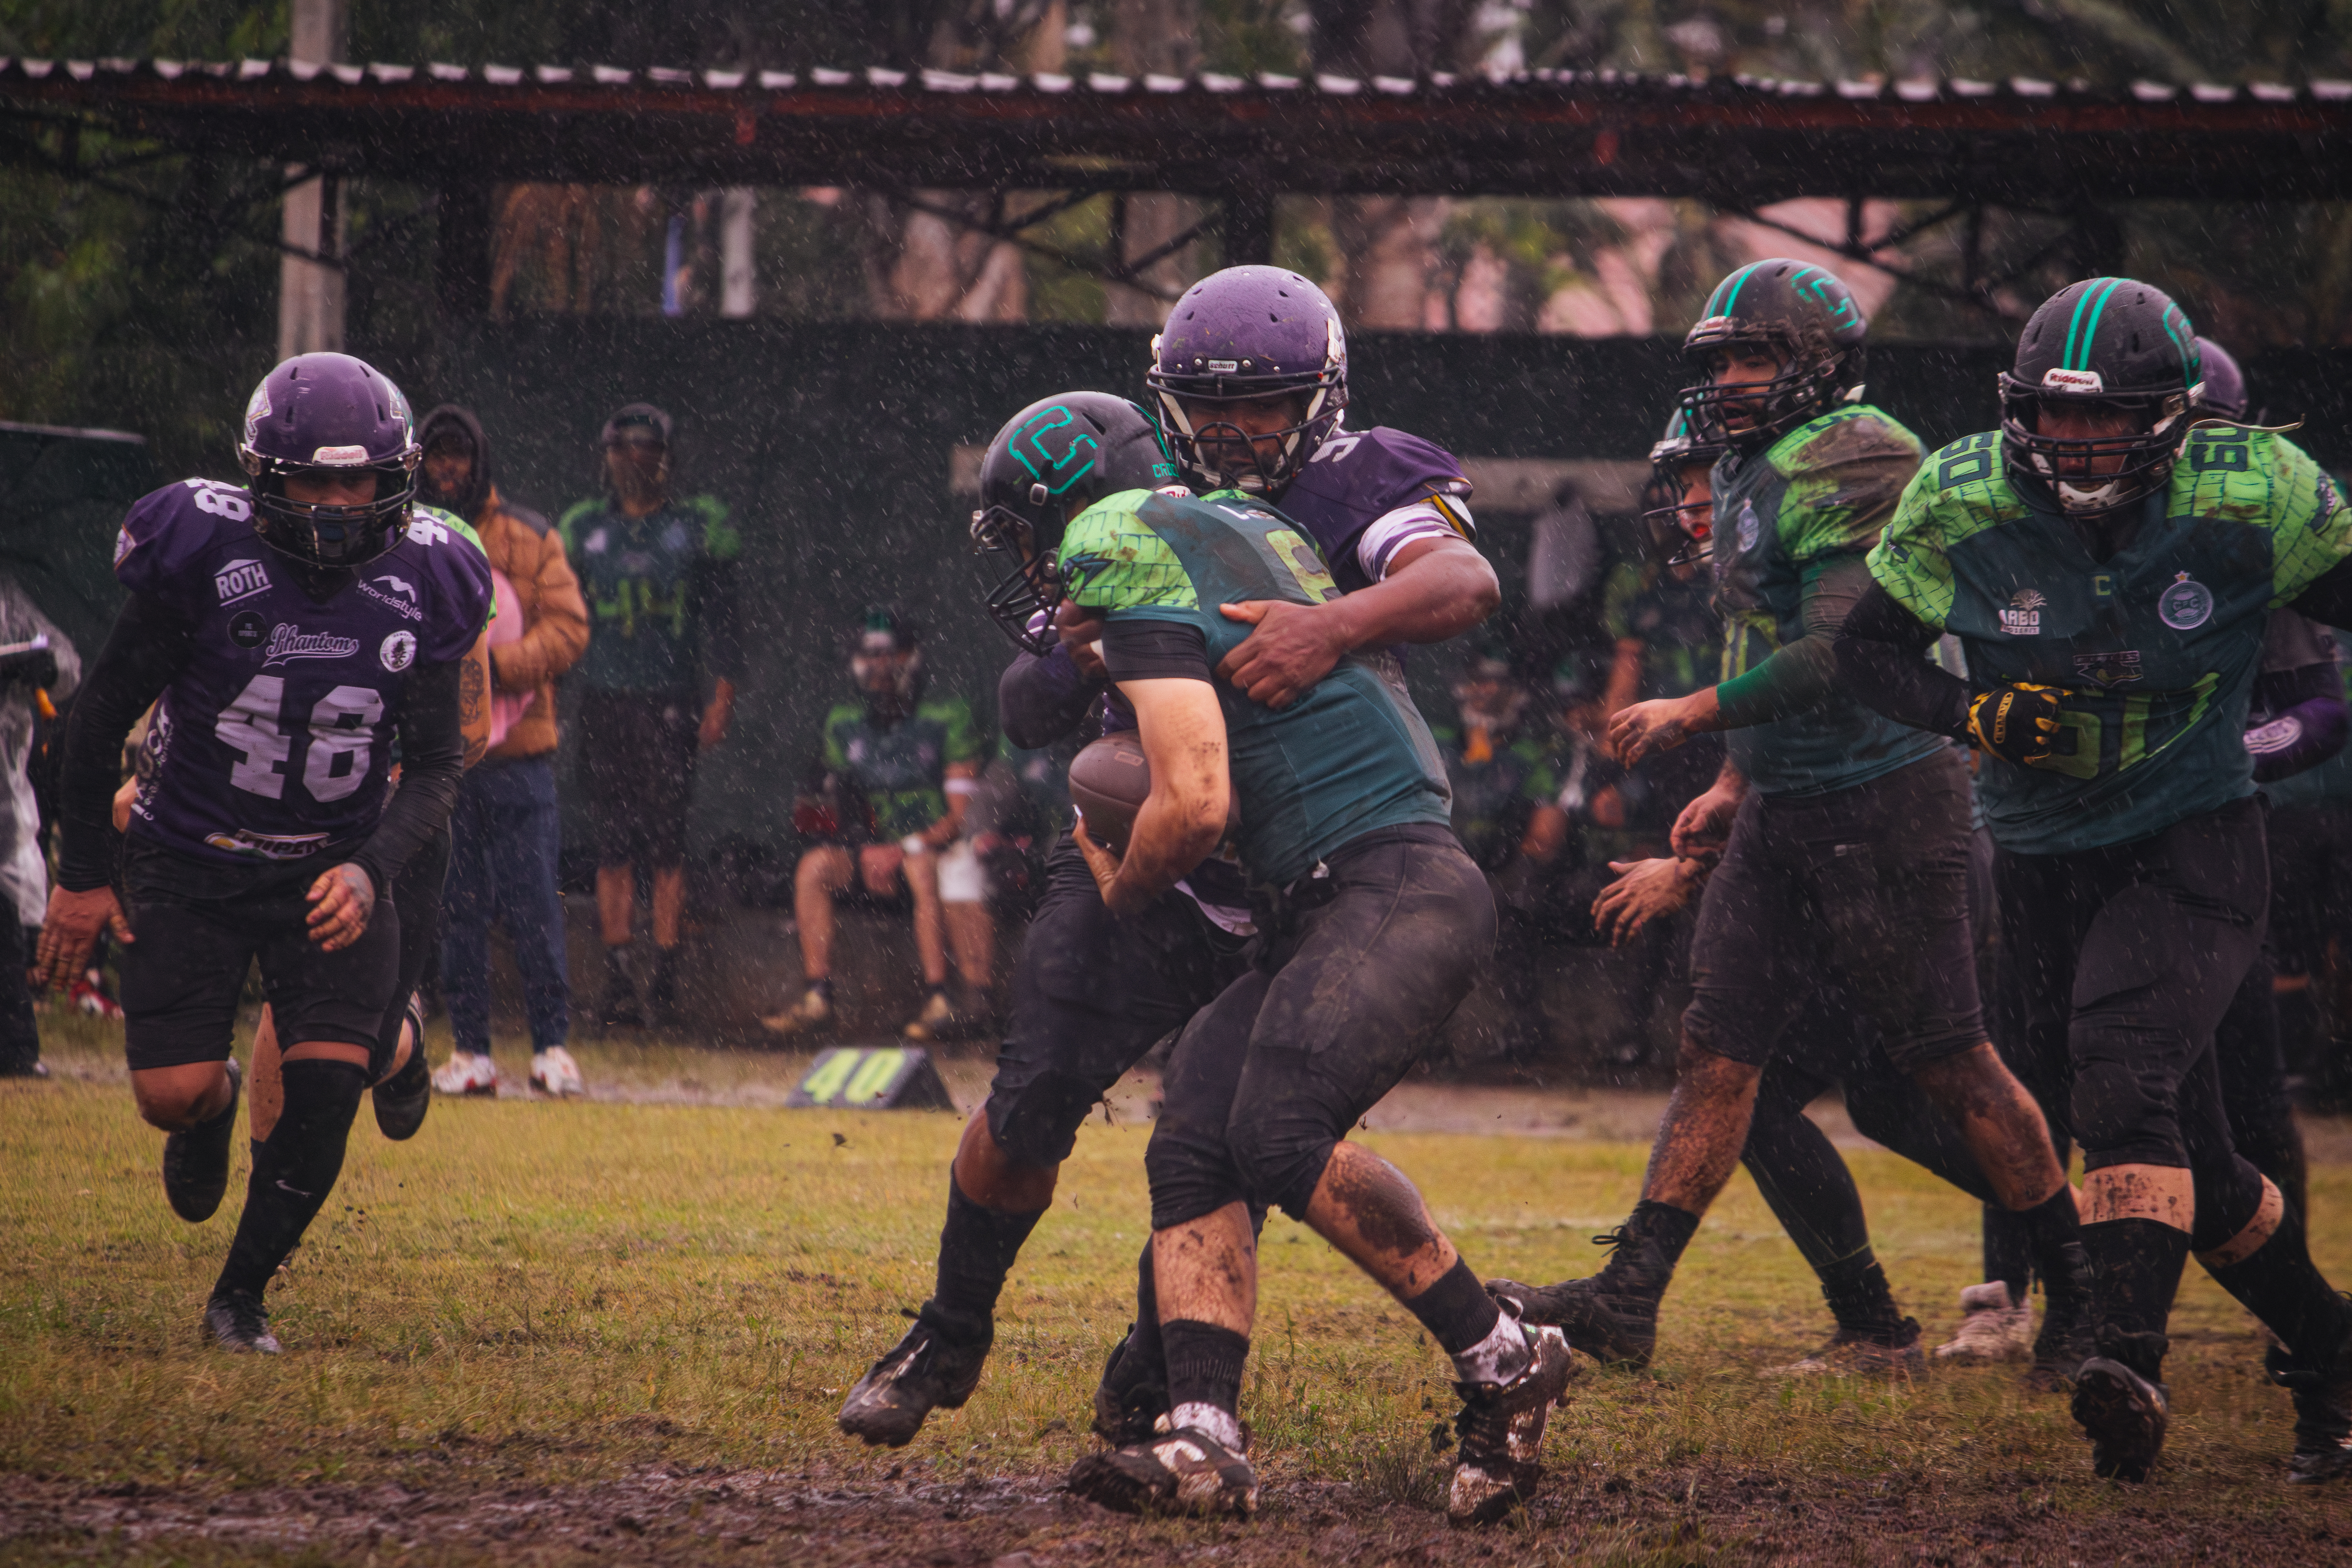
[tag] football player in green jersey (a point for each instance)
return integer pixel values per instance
(1371, 923)
(1846, 837)
(2108, 560)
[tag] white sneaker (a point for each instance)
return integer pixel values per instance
(554, 1072)
(1991, 1328)
(465, 1073)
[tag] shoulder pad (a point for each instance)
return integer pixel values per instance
(1375, 471)
(1858, 433)
(167, 530)
(429, 525)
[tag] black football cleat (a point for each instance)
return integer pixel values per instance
(1501, 1428)
(929, 1370)
(239, 1324)
(2121, 1406)
(195, 1159)
(1181, 1472)
(1132, 1397)
(2066, 1339)
(1611, 1317)
(402, 1099)
(2323, 1415)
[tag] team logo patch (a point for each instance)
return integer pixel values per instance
(124, 544)
(2056, 380)
(256, 412)
(287, 643)
(2022, 616)
(399, 651)
(2186, 604)
(396, 593)
(241, 580)
(268, 846)
(1751, 527)
(2109, 668)
(245, 628)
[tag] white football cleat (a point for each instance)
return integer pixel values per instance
(554, 1072)
(1992, 1329)
(466, 1073)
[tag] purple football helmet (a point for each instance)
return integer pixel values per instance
(323, 414)
(2225, 385)
(1237, 336)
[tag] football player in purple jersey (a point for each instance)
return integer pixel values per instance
(286, 632)
(1247, 381)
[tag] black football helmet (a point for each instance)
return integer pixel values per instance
(2111, 343)
(1051, 461)
(326, 414)
(1801, 312)
(1682, 531)
(1243, 333)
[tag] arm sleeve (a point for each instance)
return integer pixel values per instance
(146, 648)
(1879, 663)
(1040, 699)
(1145, 649)
(2309, 722)
(432, 759)
(1801, 673)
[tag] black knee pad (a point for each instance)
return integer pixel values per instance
(2123, 1114)
(1279, 1152)
(1038, 1124)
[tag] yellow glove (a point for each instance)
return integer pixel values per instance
(2016, 723)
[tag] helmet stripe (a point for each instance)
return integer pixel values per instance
(1735, 282)
(2094, 300)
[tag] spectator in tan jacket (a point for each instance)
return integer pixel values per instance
(504, 830)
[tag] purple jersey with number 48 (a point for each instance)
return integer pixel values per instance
(274, 741)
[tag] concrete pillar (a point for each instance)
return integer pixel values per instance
(739, 274)
(310, 297)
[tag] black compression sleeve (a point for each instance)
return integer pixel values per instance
(148, 646)
(1879, 663)
(432, 761)
(1155, 650)
(1800, 673)
(2329, 600)
(1043, 697)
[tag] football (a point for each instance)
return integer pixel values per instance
(1108, 783)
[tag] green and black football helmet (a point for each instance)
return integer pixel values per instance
(1804, 313)
(1051, 461)
(1681, 530)
(2109, 343)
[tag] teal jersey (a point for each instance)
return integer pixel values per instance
(2329, 781)
(1821, 492)
(1349, 756)
(2155, 649)
(901, 768)
(641, 577)
(1495, 790)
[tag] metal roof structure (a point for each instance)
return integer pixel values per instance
(1739, 141)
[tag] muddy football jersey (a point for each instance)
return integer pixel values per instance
(1349, 756)
(2155, 649)
(274, 742)
(1822, 491)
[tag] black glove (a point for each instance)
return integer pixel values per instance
(2016, 723)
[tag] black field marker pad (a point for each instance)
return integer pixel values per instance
(864, 1078)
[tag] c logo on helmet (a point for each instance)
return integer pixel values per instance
(1032, 436)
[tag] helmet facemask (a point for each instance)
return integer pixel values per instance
(1746, 416)
(1025, 583)
(337, 537)
(2067, 469)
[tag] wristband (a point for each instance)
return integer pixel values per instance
(914, 844)
(964, 786)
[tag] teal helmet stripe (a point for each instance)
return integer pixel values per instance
(1737, 281)
(2191, 357)
(2082, 334)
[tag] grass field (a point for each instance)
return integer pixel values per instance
(606, 1331)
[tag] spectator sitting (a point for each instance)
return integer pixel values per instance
(658, 575)
(28, 676)
(903, 767)
(504, 833)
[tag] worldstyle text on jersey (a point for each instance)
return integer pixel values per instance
(273, 743)
(2156, 647)
(1822, 491)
